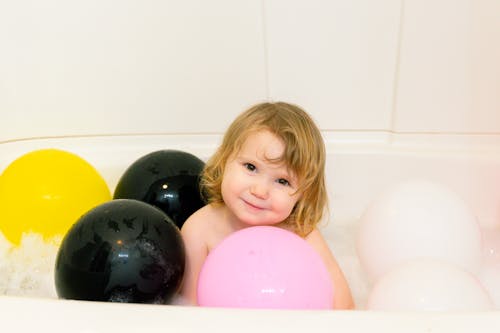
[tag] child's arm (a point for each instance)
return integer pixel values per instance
(196, 252)
(342, 293)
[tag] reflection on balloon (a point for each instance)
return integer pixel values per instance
(491, 244)
(265, 267)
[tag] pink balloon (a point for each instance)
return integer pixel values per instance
(265, 267)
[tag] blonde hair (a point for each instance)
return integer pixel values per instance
(304, 155)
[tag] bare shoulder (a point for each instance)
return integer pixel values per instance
(197, 223)
(203, 226)
(314, 235)
(315, 239)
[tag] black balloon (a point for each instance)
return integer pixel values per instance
(121, 251)
(167, 179)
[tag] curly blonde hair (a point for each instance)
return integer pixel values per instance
(304, 155)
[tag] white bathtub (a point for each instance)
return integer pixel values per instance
(358, 168)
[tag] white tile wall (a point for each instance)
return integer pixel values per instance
(69, 67)
(105, 66)
(449, 75)
(335, 58)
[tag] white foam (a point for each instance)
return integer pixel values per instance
(28, 269)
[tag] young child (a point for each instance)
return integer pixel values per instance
(269, 170)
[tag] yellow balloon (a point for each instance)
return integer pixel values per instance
(46, 191)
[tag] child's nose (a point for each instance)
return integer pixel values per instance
(260, 189)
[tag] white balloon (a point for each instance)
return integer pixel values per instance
(489, 275)
(429, 285)
(416, 219)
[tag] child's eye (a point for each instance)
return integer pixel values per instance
(250, 166)
(284, 182)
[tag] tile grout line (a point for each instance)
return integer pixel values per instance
(395, 90)
(266, 50)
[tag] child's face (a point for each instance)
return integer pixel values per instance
(257, 191)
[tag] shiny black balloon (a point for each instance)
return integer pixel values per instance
(121, 251)
(167, 179)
